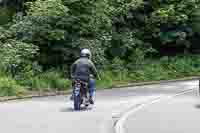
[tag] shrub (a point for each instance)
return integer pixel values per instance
(16, 55)
(106, 79)
(47, 81)
(9, 87)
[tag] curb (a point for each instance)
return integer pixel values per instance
(57, 93)
(37, 95)
(156, 82)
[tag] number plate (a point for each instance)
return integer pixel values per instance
(77, 91)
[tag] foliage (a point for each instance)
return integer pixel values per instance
(51, 80)
(137, 37)
(5, 16)
(9, 87)
(16, 55)
(60, 29)
(110, 28)
(156, 25)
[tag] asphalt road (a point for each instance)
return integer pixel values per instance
(179, 114)
(164, 108)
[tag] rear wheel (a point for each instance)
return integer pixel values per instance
(77, 102)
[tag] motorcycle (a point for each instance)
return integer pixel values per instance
(80, 94)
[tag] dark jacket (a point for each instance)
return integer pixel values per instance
(82, 69)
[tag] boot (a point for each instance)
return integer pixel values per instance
(71, 97)
(91, 100)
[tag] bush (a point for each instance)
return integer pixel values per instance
(168, 68)
(5, 15)
(60, 29)
(185, 66)
(48, 81)
(16, 55)
(125, 33)
(9, 87)
(106, 79)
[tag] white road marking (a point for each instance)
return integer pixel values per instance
(119, 127)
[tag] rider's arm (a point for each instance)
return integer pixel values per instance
(73, 67)
(94, 70)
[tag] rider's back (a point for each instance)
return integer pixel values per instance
(82, 69)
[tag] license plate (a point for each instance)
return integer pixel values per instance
(77, 91)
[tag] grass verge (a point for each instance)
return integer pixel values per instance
(54, 81)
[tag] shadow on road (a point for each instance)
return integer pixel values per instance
(70, 109)
(197, 106)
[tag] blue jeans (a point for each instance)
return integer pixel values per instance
(92, 87)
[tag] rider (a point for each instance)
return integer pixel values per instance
(85, 70)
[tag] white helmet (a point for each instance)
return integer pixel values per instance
(86, 53)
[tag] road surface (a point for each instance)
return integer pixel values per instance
(162, 108)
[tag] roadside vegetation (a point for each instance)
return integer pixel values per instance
(131, 41)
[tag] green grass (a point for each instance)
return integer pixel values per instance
(163, 69)
(48, 81)
(9, 87)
